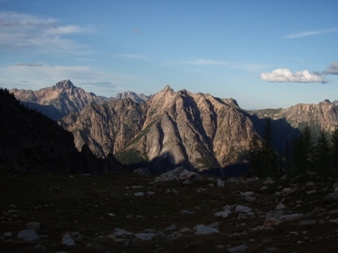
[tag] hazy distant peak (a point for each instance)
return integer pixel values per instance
(167, 88)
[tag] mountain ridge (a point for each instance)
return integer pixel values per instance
(178, 127)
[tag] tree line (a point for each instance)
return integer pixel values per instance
(303, 154)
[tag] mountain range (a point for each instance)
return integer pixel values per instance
(173, 128)
(64, 98)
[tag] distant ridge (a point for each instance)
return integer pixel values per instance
(64, 98)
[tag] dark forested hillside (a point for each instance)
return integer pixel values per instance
(32, 142)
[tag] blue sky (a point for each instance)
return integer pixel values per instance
(264, 54)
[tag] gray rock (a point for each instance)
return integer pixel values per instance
(170, 228)
(33, 225)
(7, 234)
(220, 183)
(238, 249)
(178, 174)
(268, 181)
(144, 236)
(186, 212)
(40, 247)
(223, 214)
(68, 240)
(204, 230)
(291, 216)
(331, 197)
(242, 209)
(120, 232)
(142, 172)
(139, 194)
(28, 235)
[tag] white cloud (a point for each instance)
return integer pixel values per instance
(285, 75)
(38, 76)
(21, 31)
(332, 70)
(310, 33)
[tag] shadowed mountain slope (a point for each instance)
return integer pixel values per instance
(32, 142)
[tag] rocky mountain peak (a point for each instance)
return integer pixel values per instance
(64, 85)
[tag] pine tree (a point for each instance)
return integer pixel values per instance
(334, 149)
(309, 146)
(269, 157)
(322, 154)
(254, 155)
(302, 152)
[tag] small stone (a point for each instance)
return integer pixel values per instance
(40, 247)
(224, 213)
(68, 240)
(280, 207)
(242, 209)
(331, 197)
(144, 236)
(204, 230)
(28, 235)
(220, 183)
(7, 234)
(268, 181)
(291, 216)
(138, 194)
(187, 182)
(136, 187)
(142, 172)
(264, 188)
(33, 225)
(238, 249)
(186, 212)
(120, 232)
(271, 222)
(170, 228)
(111, 215)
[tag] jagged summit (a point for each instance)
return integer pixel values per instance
(65, 85)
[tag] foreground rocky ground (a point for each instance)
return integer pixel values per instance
(132, 213)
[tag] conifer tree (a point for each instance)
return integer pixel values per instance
(269, 158)
(334, 149)
(322, 154)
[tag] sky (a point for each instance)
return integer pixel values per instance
(263, 53)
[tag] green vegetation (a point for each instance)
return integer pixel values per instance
(130, 157)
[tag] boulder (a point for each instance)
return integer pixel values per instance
(204, 230)
(238, 249)
(28, 235)
(33, 225)
(178, 174)
(242, 209)
(142, 172)
(144, 236)
(331, 197)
